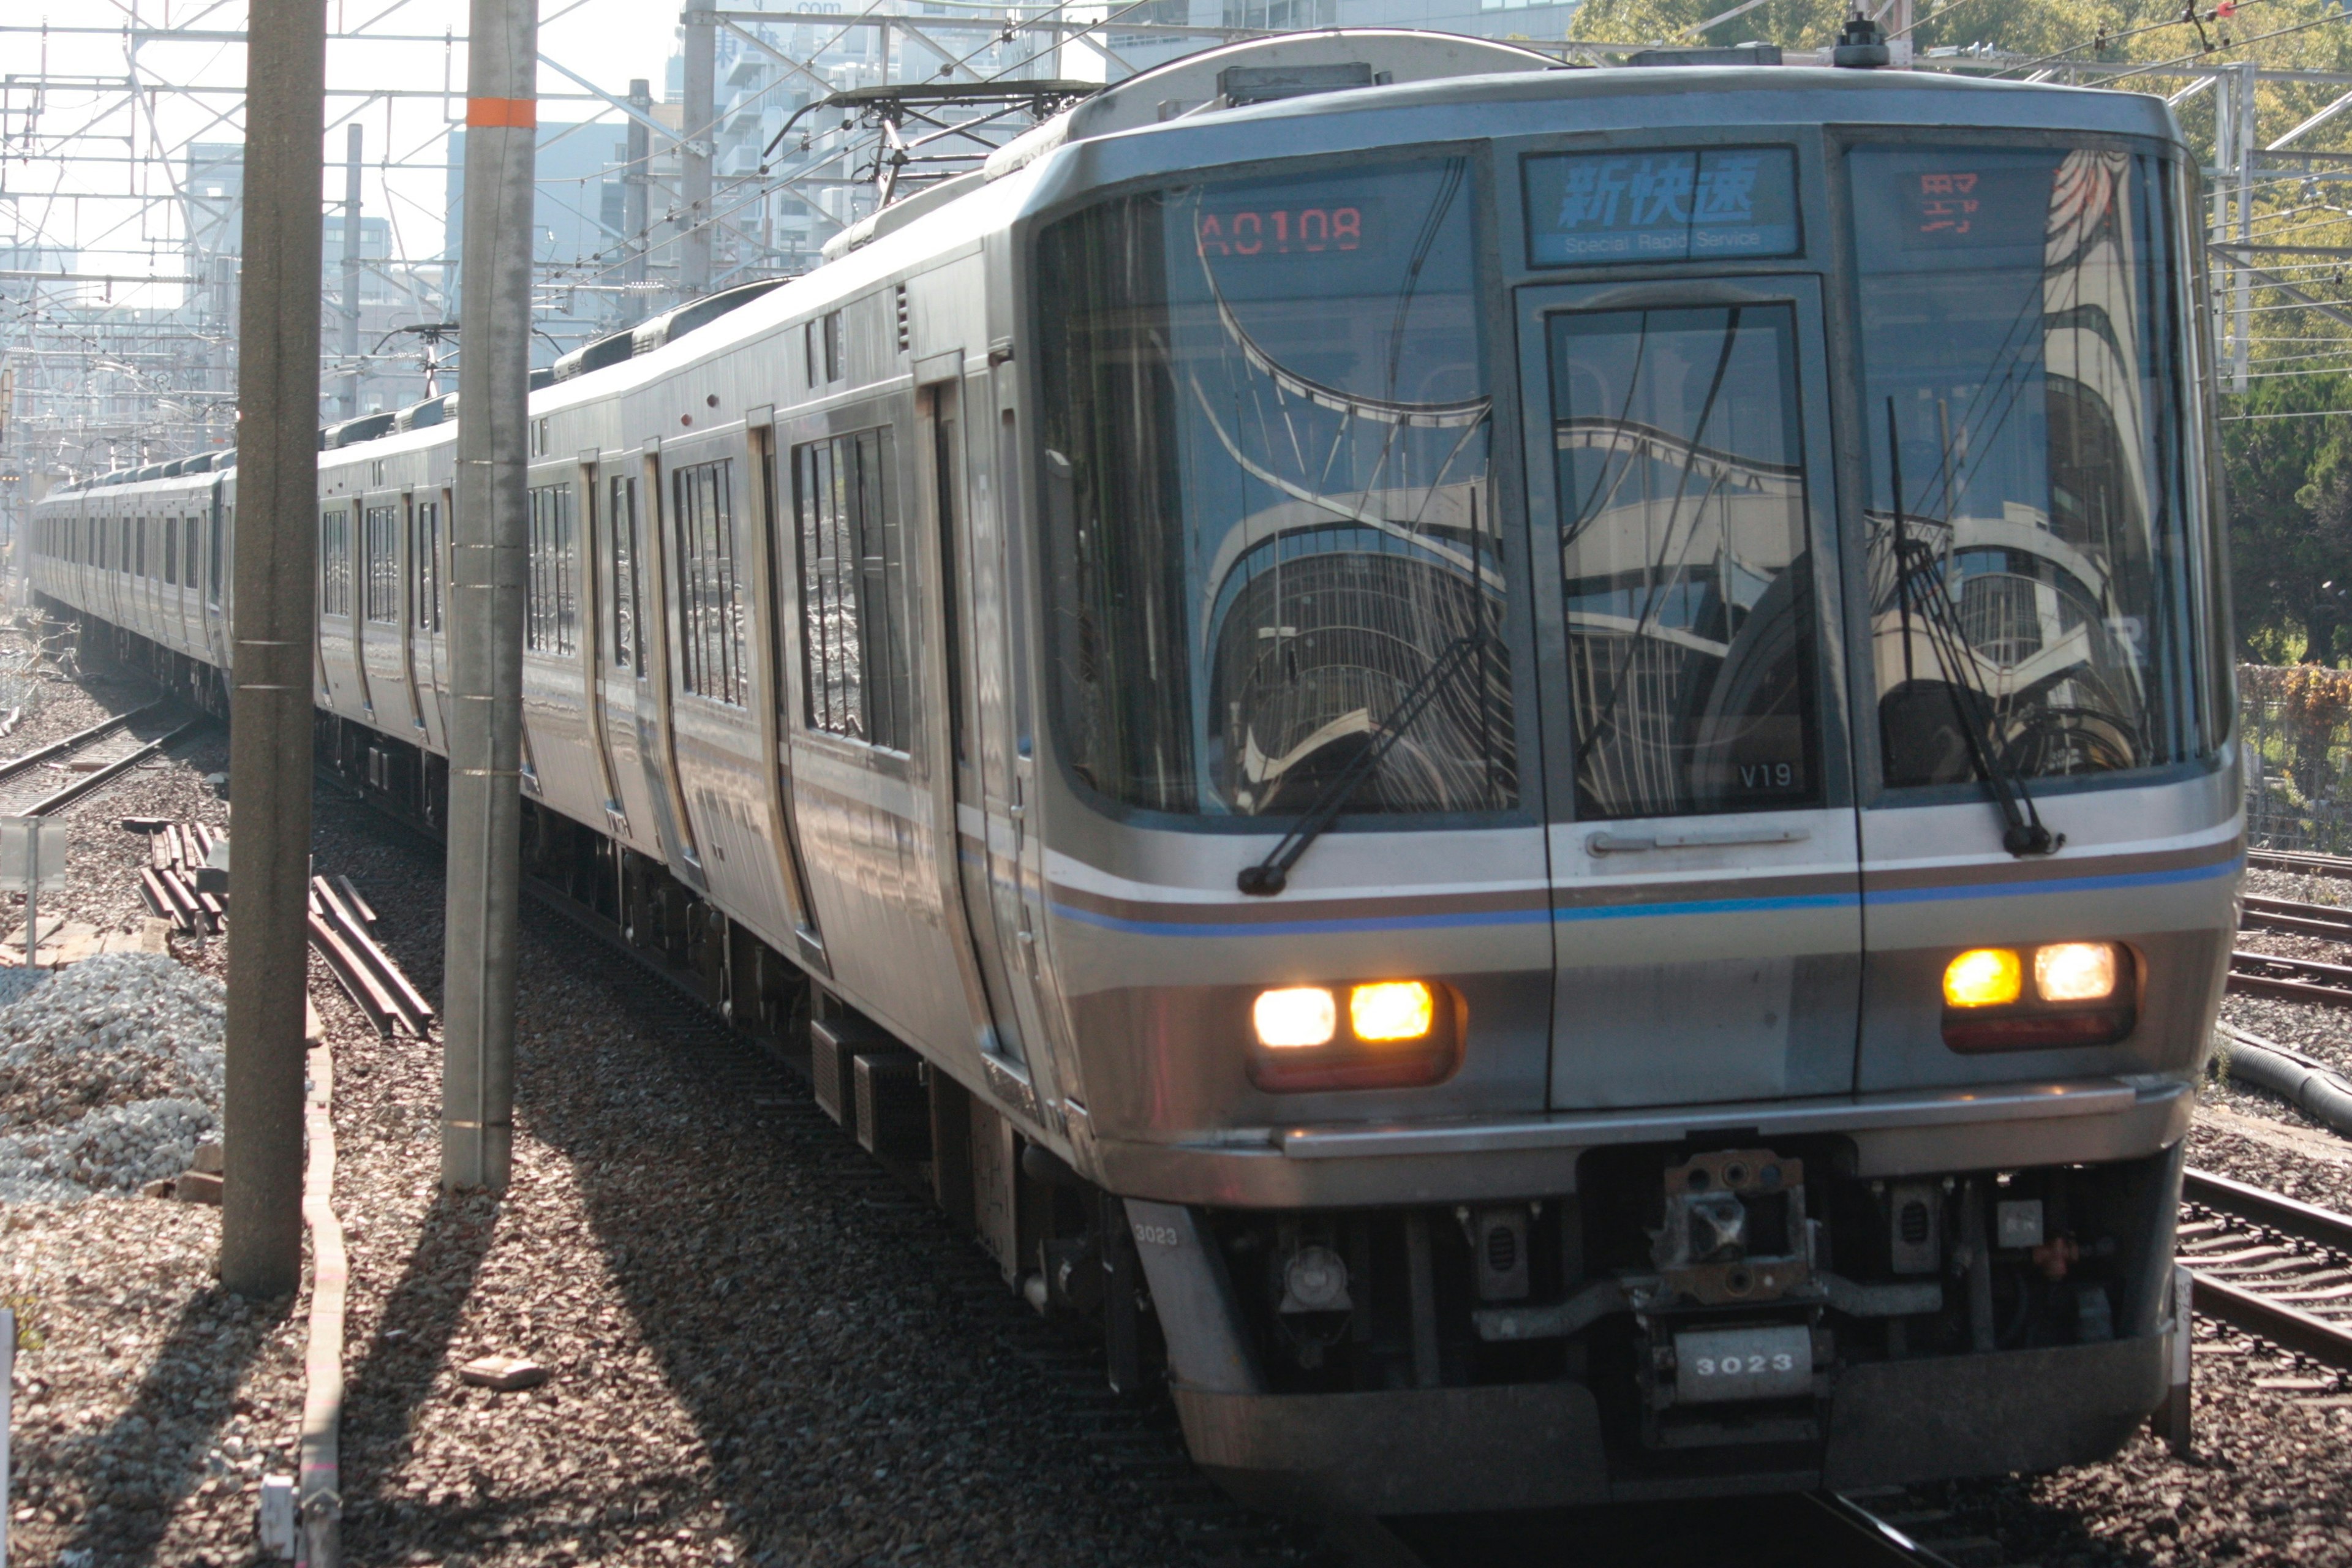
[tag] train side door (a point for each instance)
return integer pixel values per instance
(969, 866)
(1011, 855)
(1706, 876)
(430, 554)
(657, 717)
(217, 560)
(595, 629)
(415, 624)
(622, 609)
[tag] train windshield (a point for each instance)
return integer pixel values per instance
(1270, 533)
(2029, 555)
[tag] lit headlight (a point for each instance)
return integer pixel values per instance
(2076, 971)
(1394, 1034)
(1984, 978)
(1295, 1017)
(1391, 1010)
(2082, 994)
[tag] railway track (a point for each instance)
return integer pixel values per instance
(2301, 862)
(2302, 979)
(54, 776)
(2266, 1264)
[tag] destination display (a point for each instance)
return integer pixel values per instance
(1296, 228)
(1988, 202)
(1687, 205)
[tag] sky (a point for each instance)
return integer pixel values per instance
(67, 177)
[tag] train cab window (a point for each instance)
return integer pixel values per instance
(1685, 561)
(335, 561)
(381, 601)
(852, 590)
(628, 644)
(710, 608)
(1267, 512)
(425, 566)
(551, 600)
(2029, 516)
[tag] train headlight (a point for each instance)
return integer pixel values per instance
(1392, 1034)
(2083, 995)
(1984, 978)
(1391, 1010)
(2076, 971)
(1296, 1018)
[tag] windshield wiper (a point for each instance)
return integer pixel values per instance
(2023, 833)
(1271, 875)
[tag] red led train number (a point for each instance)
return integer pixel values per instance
(1280, 231)
(1948, 203)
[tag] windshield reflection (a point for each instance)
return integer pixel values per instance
(1269, 507)
(2028, 569)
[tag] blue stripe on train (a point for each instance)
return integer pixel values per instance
(1343, 925)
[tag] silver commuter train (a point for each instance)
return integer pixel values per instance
(1740, 1027)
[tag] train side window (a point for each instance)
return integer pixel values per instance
(627, 651)
(171, 550)
(710, 583)
(123, 562)
(383, 543)
(335, 562)
(824, 348)
(425, 566)
(853, 570)
(138, 547)
(550, 620)
(189, 558)
(212, 583)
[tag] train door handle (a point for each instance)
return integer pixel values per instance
(1605, 842)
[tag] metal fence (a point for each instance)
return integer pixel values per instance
(2297, 724)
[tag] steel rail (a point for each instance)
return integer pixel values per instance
(2282, 1323)
(2288, 1327)
(74, 742)
(2276, 1211)
(107, 775)
(1864, 1538)
(2329, 984)
(2297, 908)
(2301, 861)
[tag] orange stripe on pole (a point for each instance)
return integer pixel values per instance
(523, 113)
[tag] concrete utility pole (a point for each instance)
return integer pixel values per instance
(700, 108)
(488, 538)
(270, 702)
(350, 397)
(635, 213)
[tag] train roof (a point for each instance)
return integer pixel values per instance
(1330, 91)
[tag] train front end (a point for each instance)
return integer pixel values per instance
(1634, 747)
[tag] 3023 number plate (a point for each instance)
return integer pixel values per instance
(1715, 1364)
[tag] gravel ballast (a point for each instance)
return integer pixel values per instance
(110, 1076)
